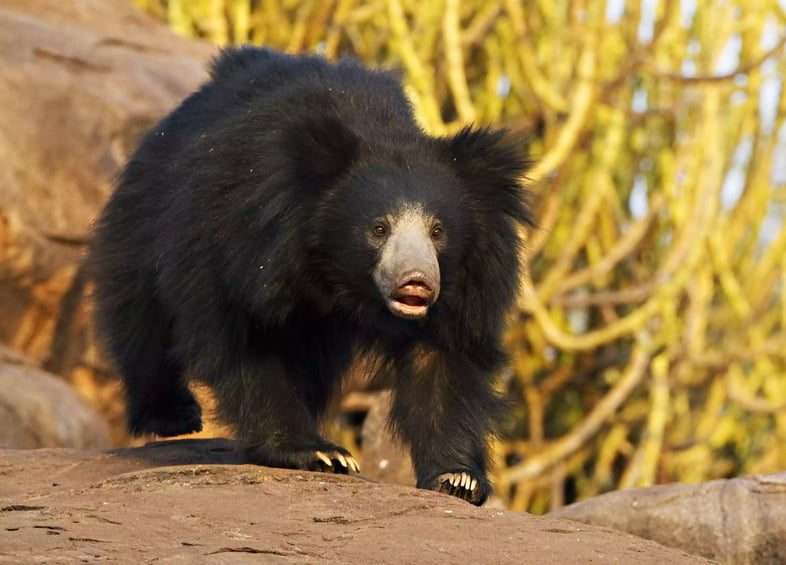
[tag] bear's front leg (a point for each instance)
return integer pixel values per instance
(444, 408)
(275, 414)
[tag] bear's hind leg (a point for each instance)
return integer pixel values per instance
(158, 400)
(171, 411)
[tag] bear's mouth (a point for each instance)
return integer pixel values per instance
(411, 301)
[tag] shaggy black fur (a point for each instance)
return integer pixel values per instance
(235, 251)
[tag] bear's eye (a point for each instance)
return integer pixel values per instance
(380, 230)
(436, 232)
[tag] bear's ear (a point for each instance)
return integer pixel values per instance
(491, 165)
(322, 148)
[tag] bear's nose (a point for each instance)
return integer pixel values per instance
(415, 280)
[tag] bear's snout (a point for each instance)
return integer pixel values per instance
(407, 274)
(413, 293)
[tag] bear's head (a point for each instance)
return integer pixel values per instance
(404, 223)
(395, 234)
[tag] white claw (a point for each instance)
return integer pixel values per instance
(474, 484)
(341, 460)
(325, 459)
(464, 480)
(456, 480)
(353, 464)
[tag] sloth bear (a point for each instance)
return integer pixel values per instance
(290, 218)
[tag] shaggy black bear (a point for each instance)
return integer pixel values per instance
(289, 217)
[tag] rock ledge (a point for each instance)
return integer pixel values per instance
(192, 501)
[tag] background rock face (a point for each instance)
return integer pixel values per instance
(81, 82)
(40, 410)
(165, 502)
(385, 459)
(734, 521)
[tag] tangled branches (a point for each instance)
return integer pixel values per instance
(650, 344)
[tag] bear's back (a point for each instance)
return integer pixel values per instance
(371, 102)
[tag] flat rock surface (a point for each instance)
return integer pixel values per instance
(192, 501)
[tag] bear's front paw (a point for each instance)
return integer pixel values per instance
(312, 455)
(339, 456)
(467, 485)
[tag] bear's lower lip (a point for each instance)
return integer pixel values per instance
(408, 306)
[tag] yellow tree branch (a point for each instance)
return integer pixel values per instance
(589, 427)
(455, 60)
(421, 78)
